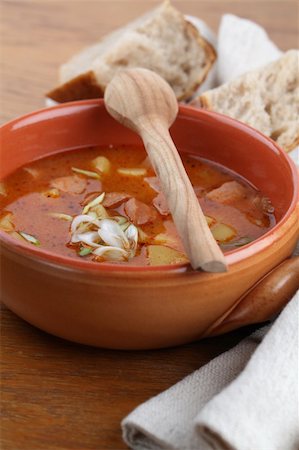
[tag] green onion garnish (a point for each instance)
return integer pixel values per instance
(87, 173)
(96, 201)
(61, 216)
(85, 251)
(29, 238)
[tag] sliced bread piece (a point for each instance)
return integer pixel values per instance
(267, 99)
(162, 40)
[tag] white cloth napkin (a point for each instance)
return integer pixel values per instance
(243, 45)
(225, 406)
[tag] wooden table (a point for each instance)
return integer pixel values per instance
(55, 394)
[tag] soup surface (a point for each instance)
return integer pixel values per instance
(106, 205)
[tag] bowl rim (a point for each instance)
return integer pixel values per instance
(232, 257)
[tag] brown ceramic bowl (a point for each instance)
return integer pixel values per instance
(135, 307)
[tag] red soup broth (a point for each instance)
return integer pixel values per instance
(39, 202)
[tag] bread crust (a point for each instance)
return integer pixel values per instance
(292, 145)
(211, 55)
(82, 87)
(202, 102)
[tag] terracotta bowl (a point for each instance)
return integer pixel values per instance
(131, 307)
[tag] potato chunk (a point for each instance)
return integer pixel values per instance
(101, 164)
(159, 255)
(223, 232)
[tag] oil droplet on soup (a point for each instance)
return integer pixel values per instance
(105, 204)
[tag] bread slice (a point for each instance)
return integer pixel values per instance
(267, 99)
(162, 40)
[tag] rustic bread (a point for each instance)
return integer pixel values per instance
(267, 99)
(162, 40)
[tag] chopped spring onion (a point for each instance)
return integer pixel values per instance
(132, 235)
(90, 238)
(66, 217)
(92, 214)
(99, 211)
(111, 233)
(29, 238)
(81, 219)
(107, 239)
(122, 222)
(87, 173)
(120, 219)
(111, 253)
(96, 201)
(134, 172)
(124, 226)
(84, 251)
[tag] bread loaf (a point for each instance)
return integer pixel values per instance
(266, 98)
(162, 40)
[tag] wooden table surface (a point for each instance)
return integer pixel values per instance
(55, 394)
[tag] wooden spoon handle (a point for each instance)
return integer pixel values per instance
(187, 214)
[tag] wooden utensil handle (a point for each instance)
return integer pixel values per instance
(182, 201)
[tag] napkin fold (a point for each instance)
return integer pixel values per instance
(243, 45)
(245, 399)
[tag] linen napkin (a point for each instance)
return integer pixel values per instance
(243, 45)
(245, 399)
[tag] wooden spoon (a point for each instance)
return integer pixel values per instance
(141, 100)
